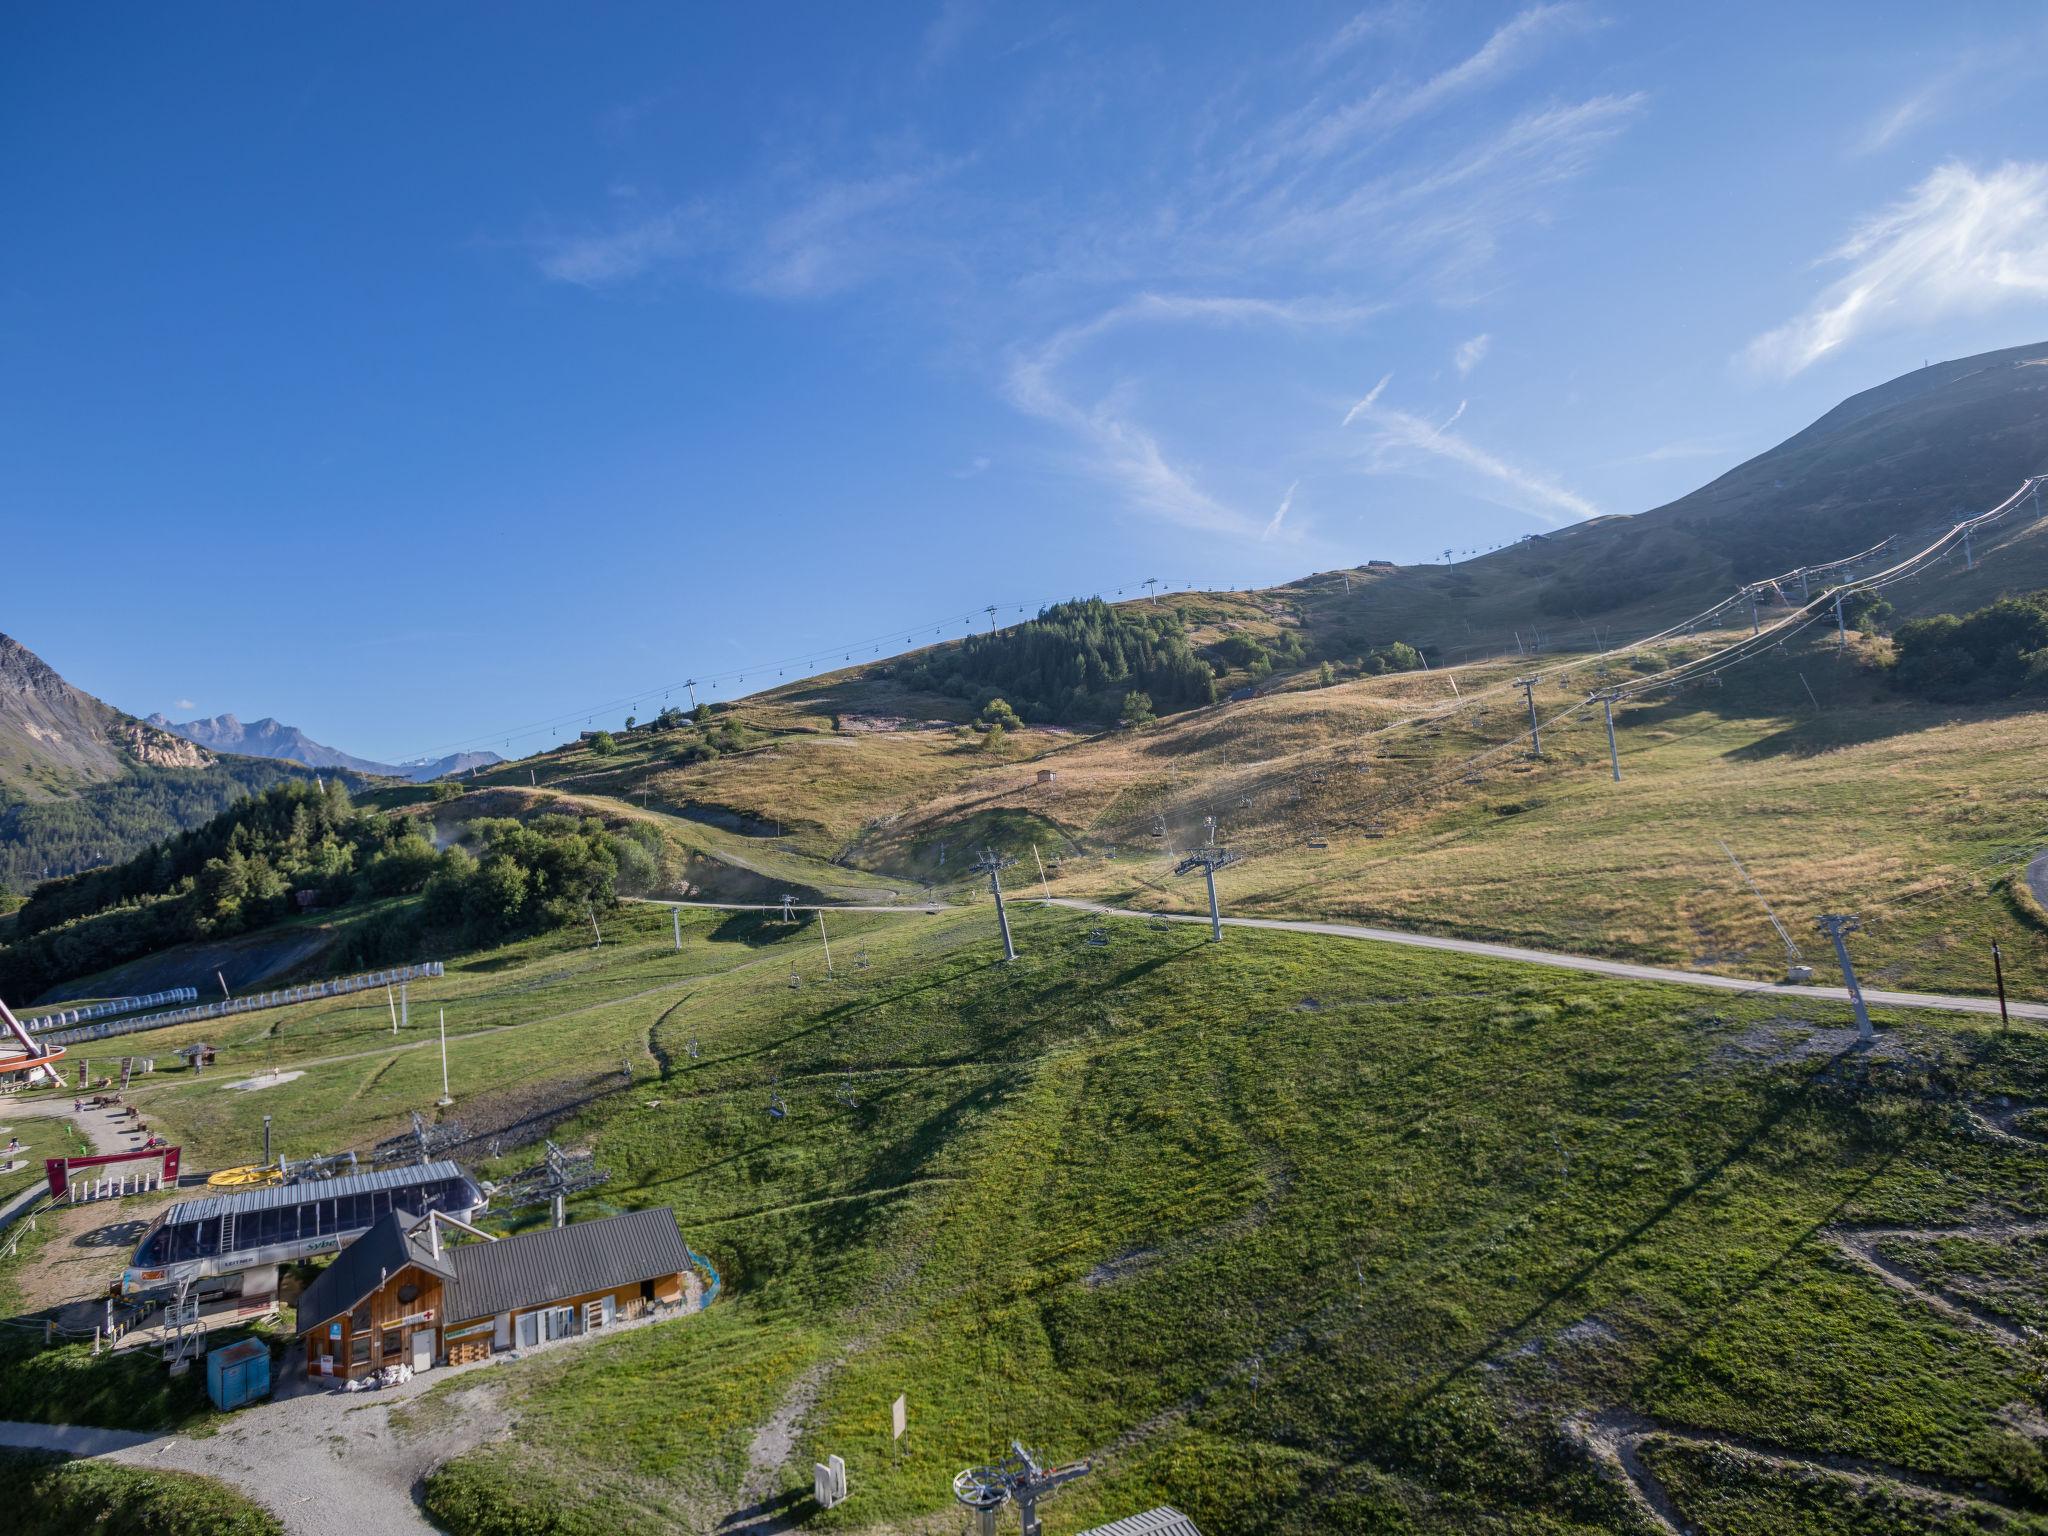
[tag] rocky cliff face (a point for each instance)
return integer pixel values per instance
(160, 749)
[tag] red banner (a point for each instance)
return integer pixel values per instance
(58, 1169)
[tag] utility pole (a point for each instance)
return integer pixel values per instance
(1969, 557)
(1997, 971)
(1148, 584)
(1208, 861)
(1805, 591)
(691, 684)
(1755, 625)
(1837, 926)
(990, 610)
(446, 1098)
(266, 1118)
(1607, 696)
(993, 864)
(1841, 625)
(1528, 687)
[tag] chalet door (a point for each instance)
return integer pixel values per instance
(529, 1329)
(423, 1349)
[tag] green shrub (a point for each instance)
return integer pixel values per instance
(51, 1496)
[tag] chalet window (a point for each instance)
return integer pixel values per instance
(393, 1342)
(359, 1349)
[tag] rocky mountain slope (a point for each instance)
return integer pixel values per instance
(55, 738)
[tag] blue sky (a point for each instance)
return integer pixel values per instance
(436, 376)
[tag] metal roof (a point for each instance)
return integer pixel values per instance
(1163, 1521)
(272, 1196)
(364, 1265)
(554, 1263)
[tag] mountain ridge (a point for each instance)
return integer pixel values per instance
(271, 737)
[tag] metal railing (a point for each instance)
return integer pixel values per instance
(312, 991)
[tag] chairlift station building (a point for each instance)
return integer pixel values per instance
(402, 1295)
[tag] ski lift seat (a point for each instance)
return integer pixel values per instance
(1319, 842)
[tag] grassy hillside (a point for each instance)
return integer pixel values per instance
(1293, 1233)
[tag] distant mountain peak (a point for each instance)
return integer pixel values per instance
(271, 737)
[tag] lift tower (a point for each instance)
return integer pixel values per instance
(993, 864)
(1018, 1479)
(1208, 861)
(1838, 926)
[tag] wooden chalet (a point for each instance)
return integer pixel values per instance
(402, 1294)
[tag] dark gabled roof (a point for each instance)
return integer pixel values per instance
(535, 1268)
(366, 1264)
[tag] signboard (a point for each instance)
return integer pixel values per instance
(334, 1330)
(899, 1417)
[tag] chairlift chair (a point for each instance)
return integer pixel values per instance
(775, 1107)
(795, 981)
(693, 1048)
(1160, 923)
(1098, 938)
(1316, 839)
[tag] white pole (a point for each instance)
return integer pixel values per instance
(445, 1096)
(393, 1001)
(825, 941)
(1044, 884)
(677, 914)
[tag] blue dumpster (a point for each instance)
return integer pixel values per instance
(238, 1374)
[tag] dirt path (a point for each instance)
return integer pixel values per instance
(1625, 969)
(1859, 1246)
(109, 1130)
(1616, 1437)
(325, 1463)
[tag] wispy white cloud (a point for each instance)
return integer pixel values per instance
(1374, 21)
(1371, 399)
(837, 235)
(1125, 453)
(1280, 512)
(1685, 448)
(1901, 117)
(1471, 353)
(1398, 436)
(1322, 130)
(948, 31)
(1959, 243)
(627, 250)
(977, 465)
(184, 704)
